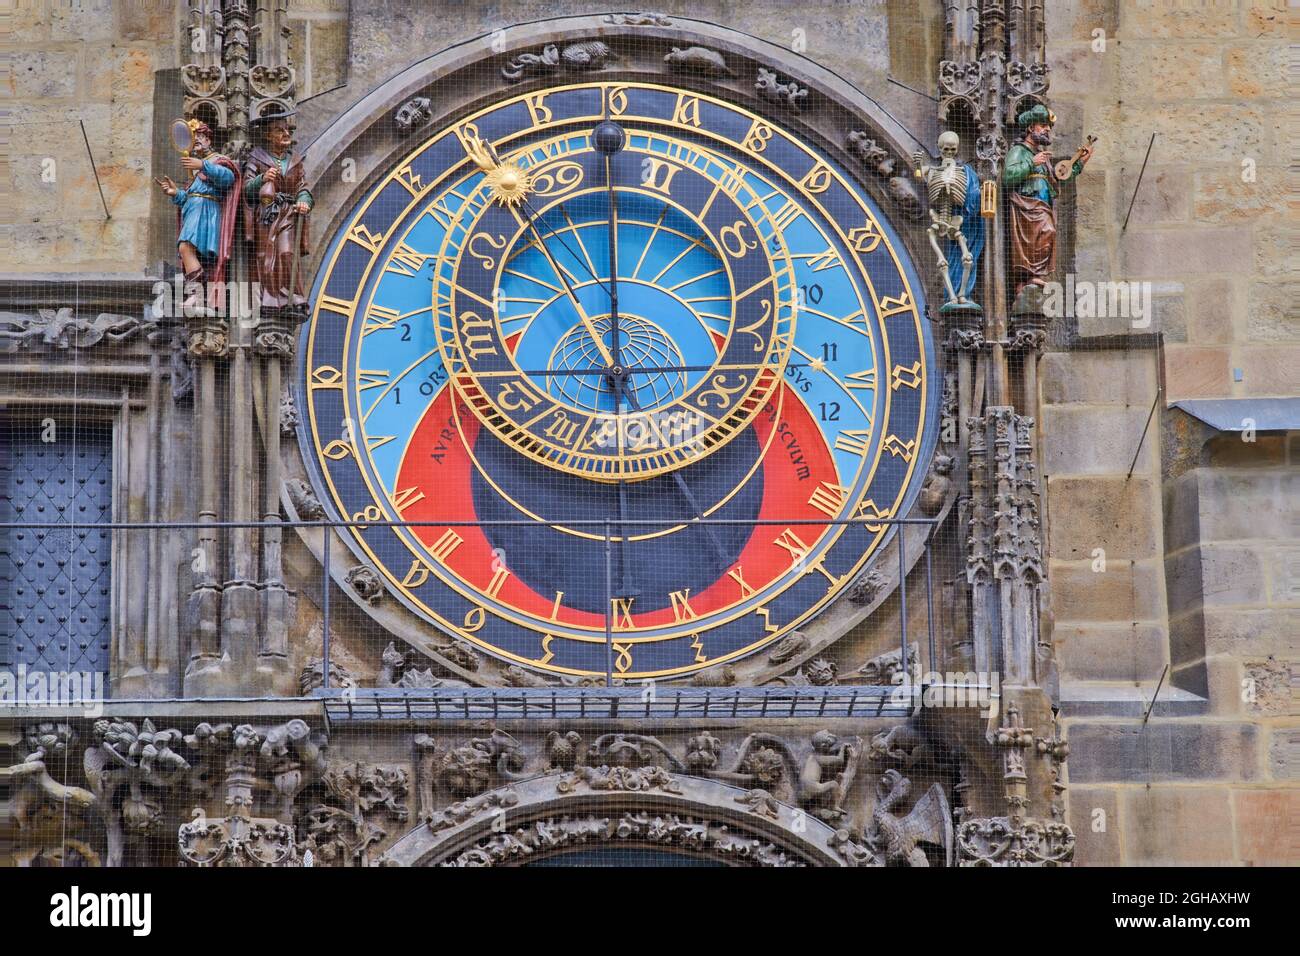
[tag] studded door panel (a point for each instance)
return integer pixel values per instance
(55, 590)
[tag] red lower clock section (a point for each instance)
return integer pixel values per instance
(796, 463)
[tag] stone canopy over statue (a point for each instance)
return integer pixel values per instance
(276, 208)
(1031, 181)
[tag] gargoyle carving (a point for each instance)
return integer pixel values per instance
(828, 773)
(480, 764)
(412, 114)
(698, 60)
(576, 57)
(772, 88)
(631, 750)
(366, 583)
(562, 750)
(396, 670)
(896, 837)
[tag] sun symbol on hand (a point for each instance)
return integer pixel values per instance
(509, 183)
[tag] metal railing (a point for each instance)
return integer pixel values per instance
(574, 701)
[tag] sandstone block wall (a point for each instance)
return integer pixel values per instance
(1200, 542)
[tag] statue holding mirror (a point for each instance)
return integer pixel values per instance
(206, 209)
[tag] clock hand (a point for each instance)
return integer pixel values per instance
(608, 138)
(608, 359)
(690, 497)
(485, 157)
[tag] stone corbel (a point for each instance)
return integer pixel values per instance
(279, 761)
(134, 773)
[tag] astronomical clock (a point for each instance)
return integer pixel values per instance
(616, 375)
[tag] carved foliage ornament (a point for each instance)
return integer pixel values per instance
(61, 329)
(557, 833)
(959, 79)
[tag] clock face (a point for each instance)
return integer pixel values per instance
(539, 333)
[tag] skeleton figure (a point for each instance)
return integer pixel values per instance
(953, 190)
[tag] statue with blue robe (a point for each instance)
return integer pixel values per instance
(206, 210)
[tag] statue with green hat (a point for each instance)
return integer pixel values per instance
(1032, 184)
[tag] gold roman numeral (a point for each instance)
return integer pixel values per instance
(378, 318)
(787, 214)
(442, 548)
(825, 260)
(829, 498)
(371, 378)
(739, 578)
(853, 441)
(405, 498)
(405, 261)
(864, 379)
(682, 610)
(622, 611)
(794, 544)
(498, 581)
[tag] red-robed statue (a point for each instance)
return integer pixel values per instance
(276, 208)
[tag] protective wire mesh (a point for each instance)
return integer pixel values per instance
(517, 461)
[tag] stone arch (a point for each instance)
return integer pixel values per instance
(646, 808)
(365, 141)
